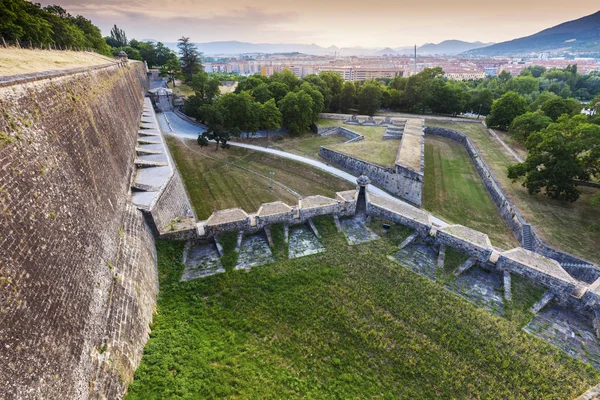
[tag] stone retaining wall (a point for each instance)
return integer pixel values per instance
(78, 278)
(400, 181)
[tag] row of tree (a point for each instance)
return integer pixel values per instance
(28, 22)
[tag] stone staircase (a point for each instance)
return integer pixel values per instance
(393, 132)
(527, 238)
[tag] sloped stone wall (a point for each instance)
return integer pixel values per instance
(71, 252)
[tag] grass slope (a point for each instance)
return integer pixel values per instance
(347, 323)
(566, 226)
(373, 148)
(237, 177)
(454, 191)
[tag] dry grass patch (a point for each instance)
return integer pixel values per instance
(21, 61)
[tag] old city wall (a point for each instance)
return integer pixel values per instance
(78, 278)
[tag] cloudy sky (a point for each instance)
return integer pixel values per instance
(370, 23)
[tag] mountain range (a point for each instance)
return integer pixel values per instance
(447, 47)
(580, 35)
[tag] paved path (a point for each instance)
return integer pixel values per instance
(174, 125)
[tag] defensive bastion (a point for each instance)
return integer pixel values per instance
(78, 280)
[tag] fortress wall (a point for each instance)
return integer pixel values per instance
(398, 181)
(75, 260)
(171, 204)
(581, 269)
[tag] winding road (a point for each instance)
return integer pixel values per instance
(172, 124)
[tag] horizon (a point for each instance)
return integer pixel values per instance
(382, 24)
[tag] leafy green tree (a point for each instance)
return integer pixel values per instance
(172, 70)
(506, 109)
(278, 90)
(348, 97)
(205, 87)
(559, 154)
(92, 35)
(286, 77)
(261, 93)
(190, 58)
(481, 102)
(270, 116)
(558, 106)
(216, 128)
(132, 54)
(318, 102)
(369, 98)
(524, 125)
(541, 99)
(335, 84)
(523, 85)
(117, 37)
(250, 83)
(296, 110)
(240, 111)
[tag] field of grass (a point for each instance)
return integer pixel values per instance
(15, 61)
(347, 323)
(372, 148)
(181, 89)
(566, 226)
(306, 144)
(454, 191)
(237, 177)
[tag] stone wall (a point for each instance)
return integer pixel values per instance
(579, 268)
(172, 204)
(75, 259)
(398, 180)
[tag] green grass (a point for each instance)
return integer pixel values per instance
(566, 226)
(306, 144)
(347, 323)
(373, 148)
(238, 177)
(454, 191)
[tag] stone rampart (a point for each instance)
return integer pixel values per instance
(397, 180)
(340, 130)
(77, 272)
(579, 268)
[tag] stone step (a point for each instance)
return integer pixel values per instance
(408, 240)
(149, 164)
(579, 291)
(543, 302)
(465, 266)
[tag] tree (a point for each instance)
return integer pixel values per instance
(348, 97)
(117, 37)
(270, 116)
(524, 125)
(205, 87)
(172, 70)
(335, 83)
(261, 93)
(318, 103)
(240, 111)
(296, 110)
(369, 98)
(541, 99)
(481, 102)
(557, 155)
(286, 77)
(216, 129)
(558, 106)
(278, 90)
(523, 85)
(190, 58)
(506, 109)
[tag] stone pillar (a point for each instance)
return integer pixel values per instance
(361, 186)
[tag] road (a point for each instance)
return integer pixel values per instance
(172, 124)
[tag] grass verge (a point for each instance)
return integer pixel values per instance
(346, 323)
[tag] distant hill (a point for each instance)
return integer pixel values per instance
(580, 35)
(450, 47)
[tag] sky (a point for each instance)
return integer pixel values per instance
(366, 23)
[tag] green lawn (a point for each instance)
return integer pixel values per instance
(373, 148)
(347, 323)
(306, 144)
(454, 191)
(237, 177)
(566, 226)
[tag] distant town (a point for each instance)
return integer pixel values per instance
(355, 68)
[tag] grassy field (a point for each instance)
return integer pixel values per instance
(347, 323)
(373, 148)
(566, 226)
(15, 61)
(237, 177)
(454, 191)
(306, 144)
